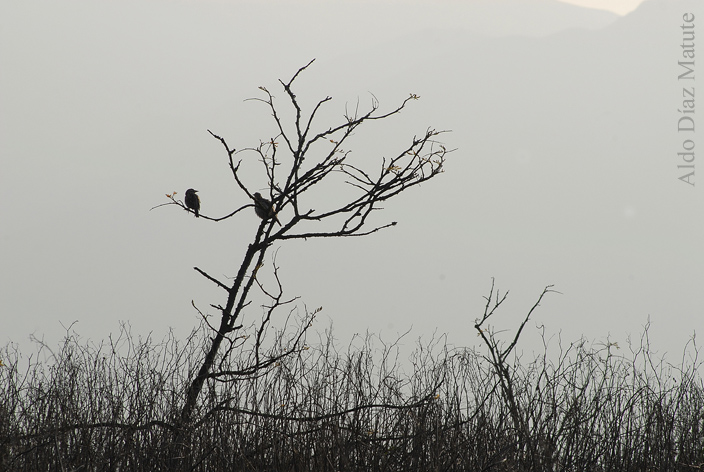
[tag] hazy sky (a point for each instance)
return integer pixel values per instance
(564, 120)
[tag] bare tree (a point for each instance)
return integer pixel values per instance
(498, 358)
(298, 158)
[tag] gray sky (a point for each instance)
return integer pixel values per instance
(564, 119)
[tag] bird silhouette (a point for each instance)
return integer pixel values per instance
(192, 201)
(264, 208)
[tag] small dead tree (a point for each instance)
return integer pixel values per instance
(298, 158)
(498, 358)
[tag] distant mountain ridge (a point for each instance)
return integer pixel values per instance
(527, 18)
(492, 18)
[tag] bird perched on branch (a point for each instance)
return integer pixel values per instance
(192, 201)
(264, 208)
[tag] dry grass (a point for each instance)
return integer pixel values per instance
(114, 407)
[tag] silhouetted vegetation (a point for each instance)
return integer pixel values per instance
(576, 407)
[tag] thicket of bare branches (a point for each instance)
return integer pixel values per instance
(576, 407)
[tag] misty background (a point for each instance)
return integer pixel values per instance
(564, 119)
